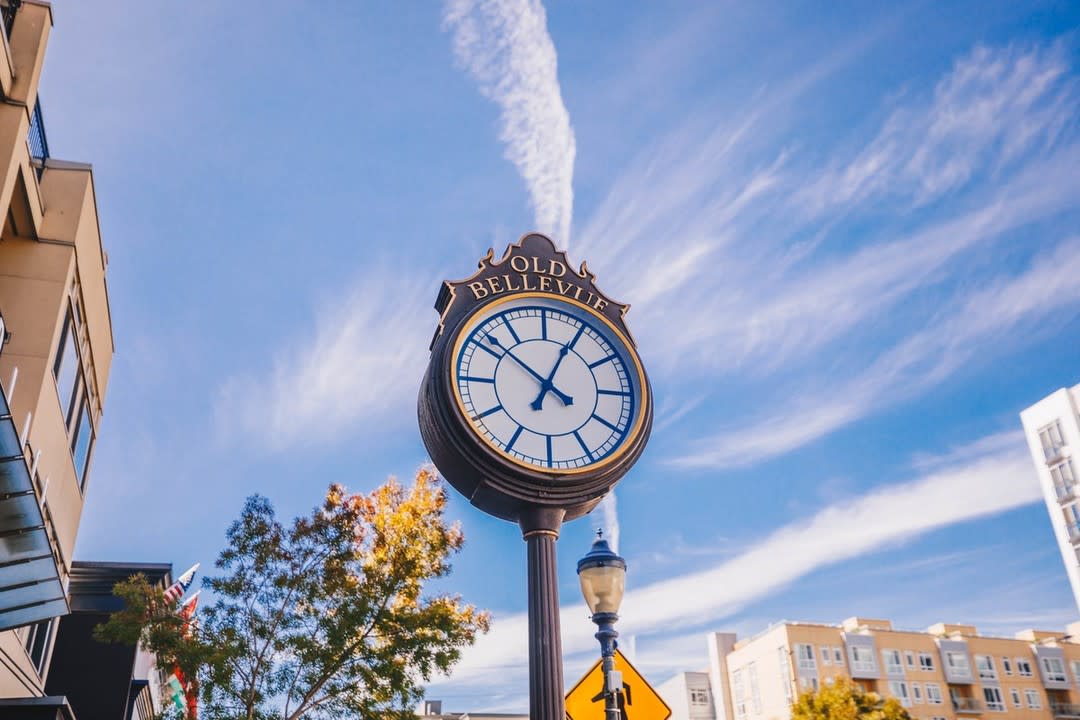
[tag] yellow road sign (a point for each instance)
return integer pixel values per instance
(638, 701)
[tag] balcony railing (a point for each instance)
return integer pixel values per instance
(7, 12)
(966, 705)
(1065, 710)
(39, 144)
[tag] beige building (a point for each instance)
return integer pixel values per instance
(54, 360)
(1052, 427)
(946, 671)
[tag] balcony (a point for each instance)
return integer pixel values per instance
(39, 144)
(967, 705)
(1065, 493)
(1065, 710)
(30, 585)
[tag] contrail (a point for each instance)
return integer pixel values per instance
(505, 46)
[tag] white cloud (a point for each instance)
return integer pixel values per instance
(1000, 480)
(999, 316)
(505, 45)
(717, 216)
(993, 107)
(360, 365)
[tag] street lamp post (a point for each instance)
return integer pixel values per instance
(602, 574)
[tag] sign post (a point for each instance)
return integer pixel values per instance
(534, 404)
(636, 699)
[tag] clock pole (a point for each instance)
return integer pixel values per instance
(540, 529)
(538, 495)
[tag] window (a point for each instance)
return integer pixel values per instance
(1064, 478)
(36, 642)
(1023, 667)
(899, 690)
(785, 671)
(826, 655)
(81, 444)
(805, 654)
(909, 660)
(957, 663)
(1033, 700)
(837, 656)
(739, 693)
(985, 665)
(755, 689)
(66, 368)
(808, 683)
(1054, 669)
(892, 662)
(1076, 669)
(1006, 665)
(933, 693)
(862, 658)
(699, 696)
(992, 695)
(916, 693)
(926, 661)
(1051, 440)
(1015, 695)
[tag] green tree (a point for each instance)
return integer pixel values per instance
(844, 700)
(323, 618)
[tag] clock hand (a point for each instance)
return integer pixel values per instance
(567, 400)
(547, 385)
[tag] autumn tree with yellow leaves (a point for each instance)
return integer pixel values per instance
(844, 700)
(323, 618)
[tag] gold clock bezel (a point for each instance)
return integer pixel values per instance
(627, 442)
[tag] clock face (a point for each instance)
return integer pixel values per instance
(548, 383)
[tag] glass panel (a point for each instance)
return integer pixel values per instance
(13, 476)
(36, 613)
(29, 594)
(24, 546)
(24, 572)
(9, 440)
(18, 513)
(84, 439)
(66, 369)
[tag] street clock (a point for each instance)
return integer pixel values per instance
(535, 397)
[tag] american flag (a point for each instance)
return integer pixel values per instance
(178, 588)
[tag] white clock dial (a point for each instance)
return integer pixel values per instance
(548, 383)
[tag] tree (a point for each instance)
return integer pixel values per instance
(325, 618)
(844, 700)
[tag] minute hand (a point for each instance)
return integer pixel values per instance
(567, 400)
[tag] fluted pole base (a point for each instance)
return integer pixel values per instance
(545, 640)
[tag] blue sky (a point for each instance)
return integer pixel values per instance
(850, 236)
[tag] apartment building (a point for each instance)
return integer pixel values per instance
(55, 355)
(1052, 427)
(947, 672)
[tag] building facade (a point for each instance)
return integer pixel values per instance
(1052, 427)
(55, 357)
(946, 672)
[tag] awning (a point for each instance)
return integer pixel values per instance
(30, 585)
